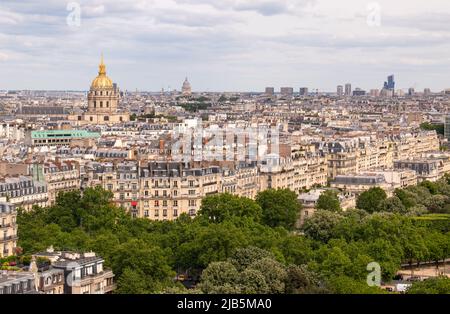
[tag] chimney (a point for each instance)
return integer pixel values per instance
(162, 145)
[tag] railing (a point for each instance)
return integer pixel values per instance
(5, 226)
(9, 238)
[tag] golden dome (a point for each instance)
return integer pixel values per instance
(102, 81)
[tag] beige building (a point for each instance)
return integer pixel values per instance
(8, 228)
(59, 176)
(24, 192)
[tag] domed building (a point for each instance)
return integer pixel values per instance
(103, 100)
(186, 90)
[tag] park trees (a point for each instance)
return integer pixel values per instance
(279, 208)
(329, 200)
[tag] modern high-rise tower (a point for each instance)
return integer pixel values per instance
(390, 84)
(348, 89)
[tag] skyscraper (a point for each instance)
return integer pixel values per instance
(270, 91)
(304, 91)
(390, 84)
(287, 91)
(348, 89)
(340, 90)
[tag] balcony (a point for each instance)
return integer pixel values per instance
(9, 238)
(5, 226)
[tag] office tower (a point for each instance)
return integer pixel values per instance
(340, 90)
(359, 92)
(287, 91)
(270, 91)
(348, 89)
(411, 91)
(304, 91)
(427, 92)
(390, 84)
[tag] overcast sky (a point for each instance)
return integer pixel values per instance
(225, 45)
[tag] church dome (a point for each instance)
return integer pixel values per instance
(102, 81)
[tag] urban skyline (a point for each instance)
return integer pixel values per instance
(195, 148)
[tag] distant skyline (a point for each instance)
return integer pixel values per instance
(225, 45)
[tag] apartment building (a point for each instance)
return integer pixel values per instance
(426, 169)
(243, 182)
(13, 282)
(84, 273)
(170, 189)
(359, 183)
(59, 176)
(8, 228)
(295, 174)
(24, 192)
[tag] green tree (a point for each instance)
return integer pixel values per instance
(244, 257)
(279, 207)
(347, 285)
(440, 285)
(222, 206)
(371, 200)
(220, 277)
(320, 226)
(252, 281)
(408, 198)
(274, 274)
(133, 281)
(329, 200)
(393, 205)
(301, 280)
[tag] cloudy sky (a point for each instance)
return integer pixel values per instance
(225, 45)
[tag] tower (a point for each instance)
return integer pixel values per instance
(103, 95)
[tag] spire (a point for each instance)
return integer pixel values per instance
(102, 67)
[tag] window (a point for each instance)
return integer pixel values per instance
(165, 203)
(156, 203)
(146, 214)
(106, 118)
(191, 184)
(175, 193)
(175, 212)
(175, 203)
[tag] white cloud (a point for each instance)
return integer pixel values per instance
(224, 44)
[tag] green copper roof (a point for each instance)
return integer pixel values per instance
(64, 134)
